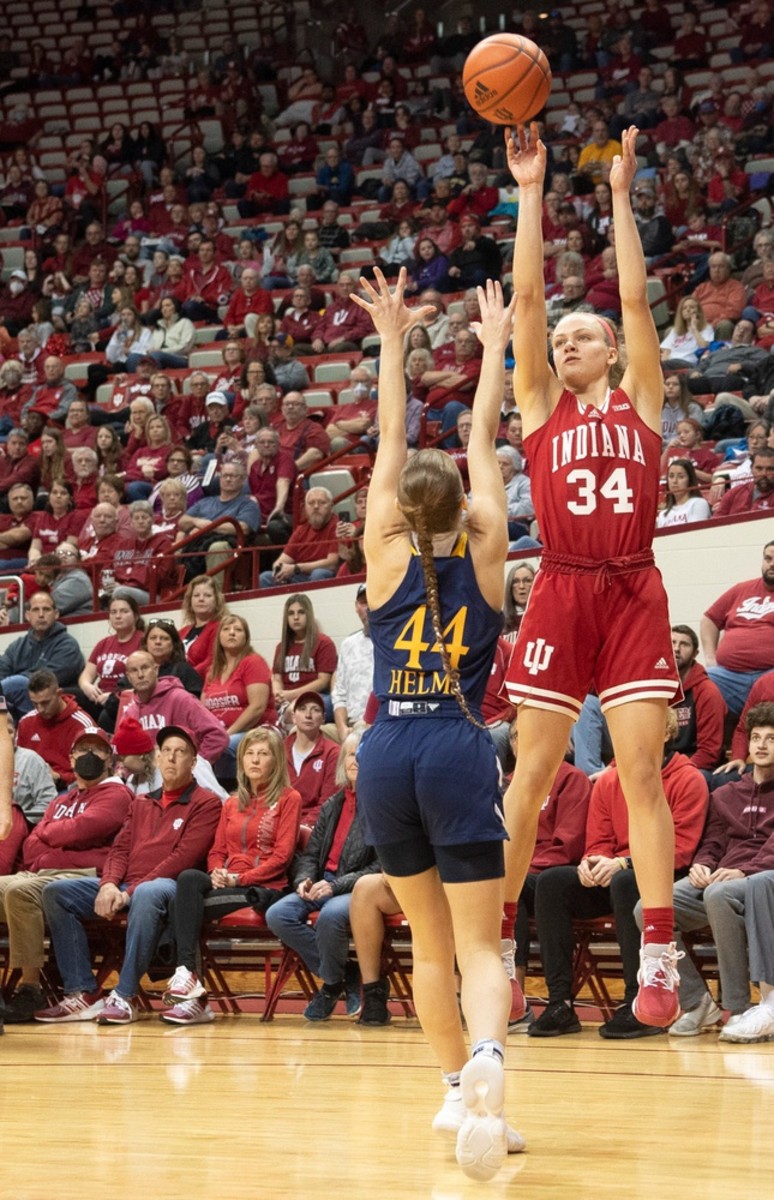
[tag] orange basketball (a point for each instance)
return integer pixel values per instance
(507, 79)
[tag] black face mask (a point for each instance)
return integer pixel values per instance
(89, 765)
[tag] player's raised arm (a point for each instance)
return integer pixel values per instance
(535, 385)
(392, 319)
(488, 515)
(643, 381)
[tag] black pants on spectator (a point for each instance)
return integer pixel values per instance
(196, 900)
(560, 898)
(525, 910)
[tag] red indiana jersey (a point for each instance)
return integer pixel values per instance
(594, 474)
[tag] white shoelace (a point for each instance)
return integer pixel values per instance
(661, 971)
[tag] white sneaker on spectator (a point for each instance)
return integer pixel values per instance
(755, 1025)
(189, 1012)
(701, 1019)
(184, 985)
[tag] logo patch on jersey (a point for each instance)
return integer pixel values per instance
(621, 407)
(537, 656)
(317, 766)
(177, 823)
(661, 665)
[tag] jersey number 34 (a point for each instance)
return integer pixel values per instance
(615, 488)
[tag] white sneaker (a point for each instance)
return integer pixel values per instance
(755, 1025)
(189, 1012)
(701, 1019)
(184, 985)
(482, 1141)
(452, 1113)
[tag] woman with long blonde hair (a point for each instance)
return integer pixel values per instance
(247, 865)
(428, 772)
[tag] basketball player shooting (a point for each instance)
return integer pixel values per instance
(597, 615)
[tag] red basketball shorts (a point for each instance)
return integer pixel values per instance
(574, 639)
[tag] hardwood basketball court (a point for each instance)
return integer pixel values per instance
(292, 1110)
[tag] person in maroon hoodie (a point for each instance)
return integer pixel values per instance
(737, 846)
(605, 883)
(701, 713)
(311, 757)
(71, 841)
(53, 726)
(344, 324)
(165, 832)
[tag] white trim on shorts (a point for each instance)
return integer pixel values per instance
(549, 701)
(638, 689)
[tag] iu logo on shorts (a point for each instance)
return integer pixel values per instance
(537, 656)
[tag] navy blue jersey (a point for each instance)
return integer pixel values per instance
(407, 661)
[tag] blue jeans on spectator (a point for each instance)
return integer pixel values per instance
(225, 766)
(591, 738)
(16, 691)
(267, 579)
(734, 686)
(324, 947)
(448, 415)
(67, 903)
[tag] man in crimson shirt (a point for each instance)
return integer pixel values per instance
(207, 285)
(166, 832)
(249, 297)
(72, 839)
(745, 616)
(270, 482)
(312, 552)
(306, 439)
(267, 189)
(15, 531)
(452, 388)
(702, 711)
(16, 465)
(476, 198)
(754, 496)
(94, 249)
(54, 397)
(101, 546)
(344, 324)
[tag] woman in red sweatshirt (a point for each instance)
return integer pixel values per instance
(248, 865)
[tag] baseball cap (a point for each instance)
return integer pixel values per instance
(91, 732)
(708, 106)
(181, 731)
(216, 398)
(282, 339)
(308, 698)
(131, 738)
(643, 187)
(18, 274)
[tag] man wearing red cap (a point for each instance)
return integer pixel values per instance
(165, 832)
(71, 841)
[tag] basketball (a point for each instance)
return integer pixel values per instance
(506, 79)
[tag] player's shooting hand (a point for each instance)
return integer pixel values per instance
(526, 155)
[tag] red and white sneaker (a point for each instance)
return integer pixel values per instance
(657, 1002)
(189, 1012)
(78, 1006)
(117, 1011)
(184, 985)
(518, 1003)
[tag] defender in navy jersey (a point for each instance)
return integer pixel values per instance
(597, 614)
(428, 776)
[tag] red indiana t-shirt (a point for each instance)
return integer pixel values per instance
(323, 658)
(109, 657)
(745, 613)
(228, 700)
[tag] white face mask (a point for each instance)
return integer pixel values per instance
(15, 286)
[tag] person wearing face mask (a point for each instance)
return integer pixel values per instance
(70, 841)
(16, 303)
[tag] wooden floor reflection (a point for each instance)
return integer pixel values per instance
(295, 1110)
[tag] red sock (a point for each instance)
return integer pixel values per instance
(658, 926)
(510, 909)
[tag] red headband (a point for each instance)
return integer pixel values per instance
(608, 328)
